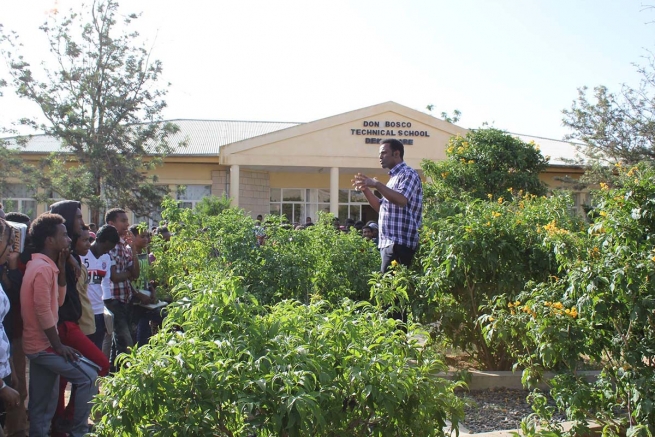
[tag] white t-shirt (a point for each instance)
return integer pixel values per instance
(99, 273)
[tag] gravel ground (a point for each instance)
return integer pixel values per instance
(495, 409)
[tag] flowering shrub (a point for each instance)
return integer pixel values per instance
(485, 248)
(225, 365)
(601, 307)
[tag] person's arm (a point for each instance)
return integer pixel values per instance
(117, 277)
(136, 267)
(364, 184)
(373, 200)
(67, 352)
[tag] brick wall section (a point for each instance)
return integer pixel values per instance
(219, 183)
(254, 192)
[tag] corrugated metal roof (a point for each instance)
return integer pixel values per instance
(204, 137)
(560, 152)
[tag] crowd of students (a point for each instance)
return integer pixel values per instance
(70, 302)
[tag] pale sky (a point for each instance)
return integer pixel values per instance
(513, 63)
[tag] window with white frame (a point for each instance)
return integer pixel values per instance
(296, 204)
(352, 204)
(17, 197)
(189, 195)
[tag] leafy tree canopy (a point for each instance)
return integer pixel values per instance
(614, 127)
(99, 97)
(487, 163)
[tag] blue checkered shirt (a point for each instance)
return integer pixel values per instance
(400, 225)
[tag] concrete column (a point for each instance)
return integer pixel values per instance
(234, 184)
(334, 191)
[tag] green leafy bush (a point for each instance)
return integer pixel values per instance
(601, 307)
(225, 365)
(485, 248)
(292, 264)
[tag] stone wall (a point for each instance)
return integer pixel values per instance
(254, 192)
(219, 183)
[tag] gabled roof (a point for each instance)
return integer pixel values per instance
(203, 137)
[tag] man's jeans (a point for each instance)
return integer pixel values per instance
(45, 368)
(122, 327)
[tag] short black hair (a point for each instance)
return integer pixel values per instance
(395, 145)
(162, 230)
(138, 229)
(17, 217)
(112, 214)
(107, 233)
(44, 226)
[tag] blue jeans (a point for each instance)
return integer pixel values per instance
(98, 336)
(122, 337)
(45, 369)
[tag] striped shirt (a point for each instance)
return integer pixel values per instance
(399, 225)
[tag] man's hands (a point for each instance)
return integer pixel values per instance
(63, 258)
(9, 397)
(363, 182)
(13, 260)
(67, 352)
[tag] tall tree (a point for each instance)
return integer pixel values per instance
(614, 127)
(101, 98)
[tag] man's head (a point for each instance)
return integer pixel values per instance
(106, 239)
(48, 232)
(141, 236)
(83, 242)
(164, 233)
(93, 227)
(367, 232)
(71, 211)
(117, 217)
(259, 217)
(18, 217)
(392, 152)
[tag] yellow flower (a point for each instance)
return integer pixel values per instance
(500, 200)
(636, 181)
(444, 174)
(463, 161)
(491, 319)
(632, 171)
(558, 305)
(394, 263)
(546, 304)
(488, 223)
(465, 144)
(460, 149)
(509, 190)
(603, 214)
(604, 186)
(510, 305)
(517, 303)
(471, 161)
(450, 149)
(496, 214)
(490, 196)
(653, 259)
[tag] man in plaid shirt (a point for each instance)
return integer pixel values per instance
(400, 208)
(118, 294)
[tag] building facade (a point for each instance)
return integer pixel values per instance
(297, 169)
